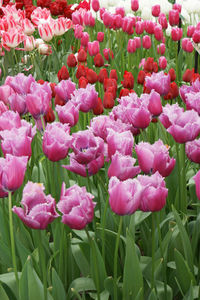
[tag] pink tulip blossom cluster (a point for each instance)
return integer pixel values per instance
(39, 210)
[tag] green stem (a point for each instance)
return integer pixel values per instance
(42, 263)
(116, 256)
(153, 253)
(12, 242)
(103, 228)
(91, 242)
(162, 254)
(183, 187)
(43, 124)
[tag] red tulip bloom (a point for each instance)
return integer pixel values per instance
(63, 73)
(128, 81)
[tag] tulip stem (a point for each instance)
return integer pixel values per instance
(183, 188)
(42, 263)
(103, 228)
(12, 242)
(153, 252)
(116, 256)
(94, 259)
(162, 254)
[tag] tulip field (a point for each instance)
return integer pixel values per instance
(100, 150)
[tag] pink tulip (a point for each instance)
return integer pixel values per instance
(192, 150)
(155, 104)
(85, 169)
(77, 206)
(177, 6)
(139, 27)
(161, 49)
(154, 192)
(27, 27)
(12, 171)
(146, 42)
(69, 113)
(56, 141)
(138, 42)
(134, 5)
(176, 33)
(155, 10)
(20, 83)
(78, 31)
(38, 209)
(29, 43)
(170, 114)
(131, 48)
(120, 11)
(85, 98)
(173, 17)
(95, 5)
(5, 92)
(162, 20)
(93, 48)
(9, 119)
(11, 38)
(100, 37)
(197, 184)
(192, 101)
(149, 26)
(159, 82)
(162, 62)
(122, 166)
(88, 19)
(187, 45)
(124, 196)
(86, 146)
(40, 15)
(38, 100)
(190, 30)
(3, 107)
(127, 25)
(16, 142)
(46, 32)
(84, 39)
(77, 18)
(65, 89)
(186, 127)
(101, 124)
(122, 142)
(158, 33)
(153, 158)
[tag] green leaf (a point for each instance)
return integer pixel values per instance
(82, 284)
(30, 285)
(3, 295)
(58, 288)
(133, 280)
(152, 295)
(185, 241)
(97, 266)
(81, 260)
(183, 273)
(9, 284)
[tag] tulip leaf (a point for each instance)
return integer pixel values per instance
(97, 265)
(58, 288)
(82, 284)
(8, 282)
(185, 241)
(109, 284)
(80, 259)
(133, 280)
(3, 295)
(183, 273)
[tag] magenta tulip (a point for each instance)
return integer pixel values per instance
(77, 206)
(154, 192)
(56, 141)
(38, 209)
(122, 166)
(155, 157)
(12, 171)
(124, 196)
